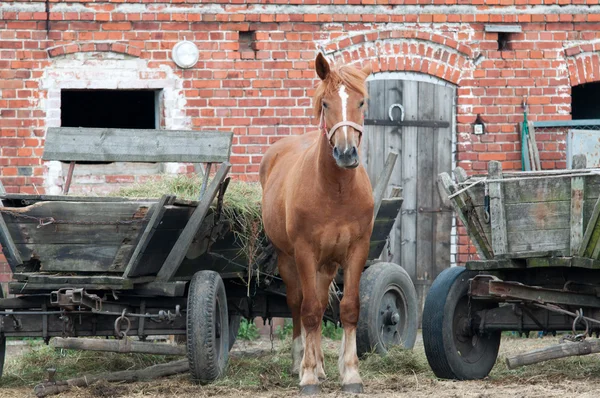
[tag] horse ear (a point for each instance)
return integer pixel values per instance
(322, 66)
(367, 70)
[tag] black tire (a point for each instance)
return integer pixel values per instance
(234, 327)
(388, 309)
(2, 343)
(207, 327)
(452, 349)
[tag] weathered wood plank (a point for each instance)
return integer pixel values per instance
(383, 180)
(491, 264)
(497, 215)
(28, 287)
(442, 158)
(545, 262)
(2, 191)
(547, 240)
(589, 231)
(10, 250)
(395, 93)
(180, 248)
(75, 280)
(469, 220)
(78, 212)
(532, 138)
(553, 352)
(166, 289)
(425, 158)
(577, 195)
(76, 258)
(121, 346)
(136, 145)
(407, 228)
(73, 234)
(157, 214)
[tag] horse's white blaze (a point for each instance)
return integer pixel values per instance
(344, 97)
(348, 359)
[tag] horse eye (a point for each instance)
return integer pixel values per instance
(324, 105)
(362, 103)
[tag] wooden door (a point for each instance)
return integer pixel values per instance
(420, 240)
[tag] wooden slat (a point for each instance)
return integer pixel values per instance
(78, 257)
(591, 226)
(10, 250)
(382, 182)
(497, 216)
(442, 158)
(485, 265)
(157, 214)
(547, 240)
(395, 93)
(180, 248)
(2, 191)
(536, 153)
(459, 203)
(407, 229)
(136, 145)
(577, 196)
(425, 191)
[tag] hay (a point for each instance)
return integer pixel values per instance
(241, 205)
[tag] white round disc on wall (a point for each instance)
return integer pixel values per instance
(185, 54)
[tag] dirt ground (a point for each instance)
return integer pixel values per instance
(566, 377)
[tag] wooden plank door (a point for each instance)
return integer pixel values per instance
(420, 240)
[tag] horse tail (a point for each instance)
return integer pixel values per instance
(333, 290)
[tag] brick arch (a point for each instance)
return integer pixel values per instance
(405, 50)
(583, 62)
(72, 48)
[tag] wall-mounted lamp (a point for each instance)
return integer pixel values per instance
(478, 126)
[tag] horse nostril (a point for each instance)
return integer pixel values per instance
(336, 152)
(354, 152)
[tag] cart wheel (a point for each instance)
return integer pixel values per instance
(388, 309)
(234, 327)
(2, 343)
(207, 327)
(453, 350)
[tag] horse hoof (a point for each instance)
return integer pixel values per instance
(310, 389)
(354, 388)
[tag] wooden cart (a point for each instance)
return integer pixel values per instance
(537, 236)
(119, 267)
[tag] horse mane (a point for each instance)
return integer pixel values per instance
(347, 75)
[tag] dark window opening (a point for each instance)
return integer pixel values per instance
(246, 41)
(503, 41)
(127, 109)
(585, 101)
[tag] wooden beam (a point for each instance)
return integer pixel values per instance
(9, 248)
(2, 191)
(463, 207)
(157, 214)
(121, 346)
(136, 145)
(383, 180)
(180, 248)
(497, 215)
(577, 196)
(553, 352)
(589, 230)
(532, 138)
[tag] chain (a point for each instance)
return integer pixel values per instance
(43, 221)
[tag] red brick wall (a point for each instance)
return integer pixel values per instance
(264, 93)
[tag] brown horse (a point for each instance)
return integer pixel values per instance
(317, 211)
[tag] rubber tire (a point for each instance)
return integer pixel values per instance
(443, 356)
(375, 281)
(2, 343)
(234, 327)
(207, 305)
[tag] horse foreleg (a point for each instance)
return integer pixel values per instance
(311, 314)
(349, 309)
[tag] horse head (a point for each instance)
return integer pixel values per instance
(339, 104)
